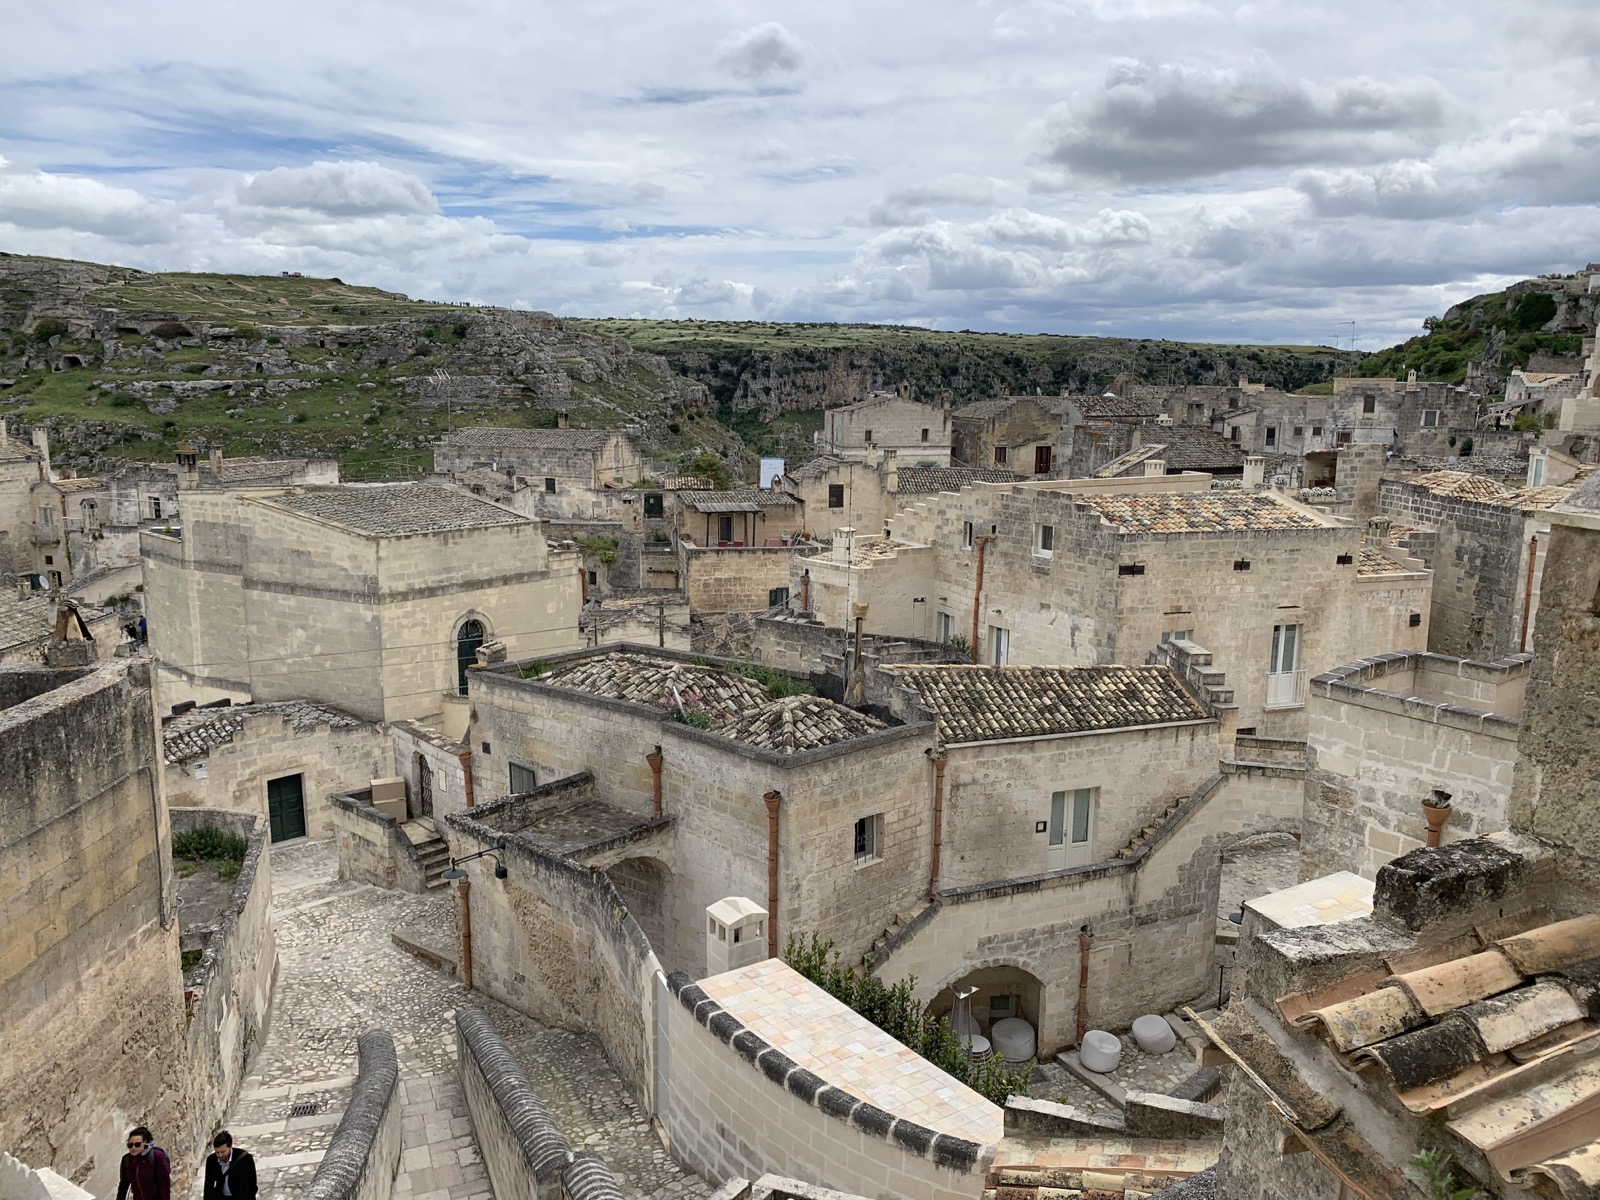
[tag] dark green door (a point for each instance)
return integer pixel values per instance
(286, 808)
(468, 638)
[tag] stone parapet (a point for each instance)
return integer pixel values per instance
(364, 1154)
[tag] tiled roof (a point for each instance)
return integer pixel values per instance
(1192, 447)
(1375, 562)
(482, 481)
(15, 451)
(982, 410)
(661, 683)
(817, 468)
(683, 483)
(737, 500)
(985, 704)
(492, 437)
(395, 510)
(196, 733)
(1118, 406)
(89, 484)
(867, 550)
(1463, 486)
(33, 619)
(1117, 466)
(917, 481)
(1495, 1034)
(797, 723)
(244, 470)
(1200, 512)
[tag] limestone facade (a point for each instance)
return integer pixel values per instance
(1012, 433)
(21, 466)
(919, 432)
(562, 472)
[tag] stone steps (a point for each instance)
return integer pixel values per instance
(435, 855)
(287, 1148)
(897, 923)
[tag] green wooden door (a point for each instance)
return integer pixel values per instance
(286, 808)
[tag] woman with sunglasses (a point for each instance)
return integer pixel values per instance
(145, 1170)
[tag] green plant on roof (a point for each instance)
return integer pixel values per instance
(697, 718)
(602, 547)
(778, 683)
(1434, 1172)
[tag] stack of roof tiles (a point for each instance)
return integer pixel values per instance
(797, 723)
(662, 683)
(1498, 1033)
(1376, 562)
(985, 704)
(1200, 512)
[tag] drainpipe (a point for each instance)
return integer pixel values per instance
(1527, 599)
(939, 761)
(773, 798)
(805, 591)
(1085, 943)
(465, 954)
(977, 594)
(654, 759)
(466, 773)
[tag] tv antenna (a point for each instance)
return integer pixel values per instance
(441, 383)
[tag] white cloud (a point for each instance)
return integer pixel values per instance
(338, 189)
(756, 53)
(36, 200)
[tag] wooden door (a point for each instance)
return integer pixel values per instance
(1041, 460)
(286, 808)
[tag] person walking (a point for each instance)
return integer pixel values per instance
(230, 1173)
(146, 1174)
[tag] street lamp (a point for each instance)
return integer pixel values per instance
(454, 872)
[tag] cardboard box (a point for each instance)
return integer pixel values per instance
(391, 808)
(392, 788)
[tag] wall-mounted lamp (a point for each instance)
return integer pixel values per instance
(454, 872)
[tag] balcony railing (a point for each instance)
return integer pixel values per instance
(1286, 689)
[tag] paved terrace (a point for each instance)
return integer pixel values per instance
(340, 974)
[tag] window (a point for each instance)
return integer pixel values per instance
(1316, 431)
(1415, 620)
(869, 437)
(1041, 460)
(777, 596)
(947, 628)
(1299, 431)
(1536, 472)
(966, 534)
(654, 505)
(47, 518)
(999, 645)
(1130, 569)
(1233, 433)
(49, 560)
(1283, 671)
(593, 579)
(1177, 635)
(1271, 436)
(1345, 437)
(549, 486)
(1045, 544)
(924, 435)
(869, 840)
(1430, 418)
(836, 495)
(1241, 564)
(1344, 560)
(999, 456)
(1003, 1006)
(1369, 404)
(155, 507)
(468, 638)
(523, 779)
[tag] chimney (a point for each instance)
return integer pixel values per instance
(1377, 531)
(891, 471)
(736, 934)
(216, 462)
(5, 434)
(1411, 381)
(1155, 466)
(41, 443)
(1255, 470)
(188, 467)
(561, 418)
(842, 539)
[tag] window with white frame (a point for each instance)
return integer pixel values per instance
(947, 628)
(869, 840)
(1176, 635)
(1271, 440)
(966, 535)
(1430, 418)
(1044, 544)
(999, 645)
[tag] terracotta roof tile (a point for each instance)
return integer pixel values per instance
(199, 731)
(985, 704)
(737, 500)
(1375, 562)
(1200, 512)
(797, 723)
(661, 683)
(396, 510)
(919, 481)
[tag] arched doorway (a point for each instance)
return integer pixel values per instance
(468, 638)
(644, 884)
(1003, 991)
(424, 788)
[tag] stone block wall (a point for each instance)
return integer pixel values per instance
(233, 983)
(234, 776)
(91, 1008)
(733, 579)
(448, 765)
(364, 1154)
(734, 1106)
(372, 847)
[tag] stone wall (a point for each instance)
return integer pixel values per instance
(372, 847)
(1378, 747)
(233, 983)
(919, 432)
(363, 1156)
(554, 939)
(91, 1011)
(234, 775)
(526, 1153)
(732, 1105)
(448, 766)
(733, 580)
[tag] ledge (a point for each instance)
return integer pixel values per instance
(349, 1155)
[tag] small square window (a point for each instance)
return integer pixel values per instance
(1416, 620)
(999, 456)
(1176, 635)
(523, 779)
(1130, 569)
(869, 437)
(836, 495)
(924, 435)
(594, 579)
(1299, 431)
(1047, 541)
(869, 840)
(49, 560)
(485, 747)
(1430, 418)
(1241, 564)
(549, 486)
(777, 596)
(1369, 404)
(1316, 431)
(1344, 560)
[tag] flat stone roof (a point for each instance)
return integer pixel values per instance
(570, 829)
(1337, 897)
(396, 510)
(846, 1050)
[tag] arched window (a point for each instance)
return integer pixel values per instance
(468, 638)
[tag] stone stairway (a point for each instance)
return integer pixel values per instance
(432, 849)
(893, 929)
(287, 1128)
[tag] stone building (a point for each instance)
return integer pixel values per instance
(1090, 572)
(372, 598)
(21, 466)
(62, 508)
(918, 432)
(30, 620)
(865, 494)
(280, 760)
(564, 470)
(1486, 542)
(1110, 450)
(1009, 433)
(738, 518)
(1410, 416)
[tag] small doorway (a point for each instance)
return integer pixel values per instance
(1071, 828)
(999, 645)
(424, 788)
(286, 808)
(1041, 460)
(724, 529)
(468, 638)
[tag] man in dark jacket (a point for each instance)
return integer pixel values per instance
(145, 1170)
(230, 1173)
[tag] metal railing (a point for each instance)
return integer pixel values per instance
(1286, 689)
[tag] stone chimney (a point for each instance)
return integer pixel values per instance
(842, 539)
(891, 471)
(5, 434)
(188, 467)
(1255, 470)
(562, 419)
(41, 443)
(1154, 467)
(216, 463)
(736, 934)
(1411, 381)
(1377, 531)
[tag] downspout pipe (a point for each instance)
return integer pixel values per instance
(466, 774)
(939, 761)
(977, 594)
(1085, 944)
(773, 799)
(654, 759)
(1527, 598)
(463, 890)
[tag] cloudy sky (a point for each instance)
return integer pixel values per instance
(1267, 171)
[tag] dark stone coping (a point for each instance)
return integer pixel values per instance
(349, 1154)
(1199, 1086)
(588, 1178)
(254, 830)
(1427, 885)
(1360, 682)
(544, 1147)
(1201, 1186)
(956, 1154)
(358, 803)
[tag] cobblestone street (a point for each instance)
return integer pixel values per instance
(340, 974)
